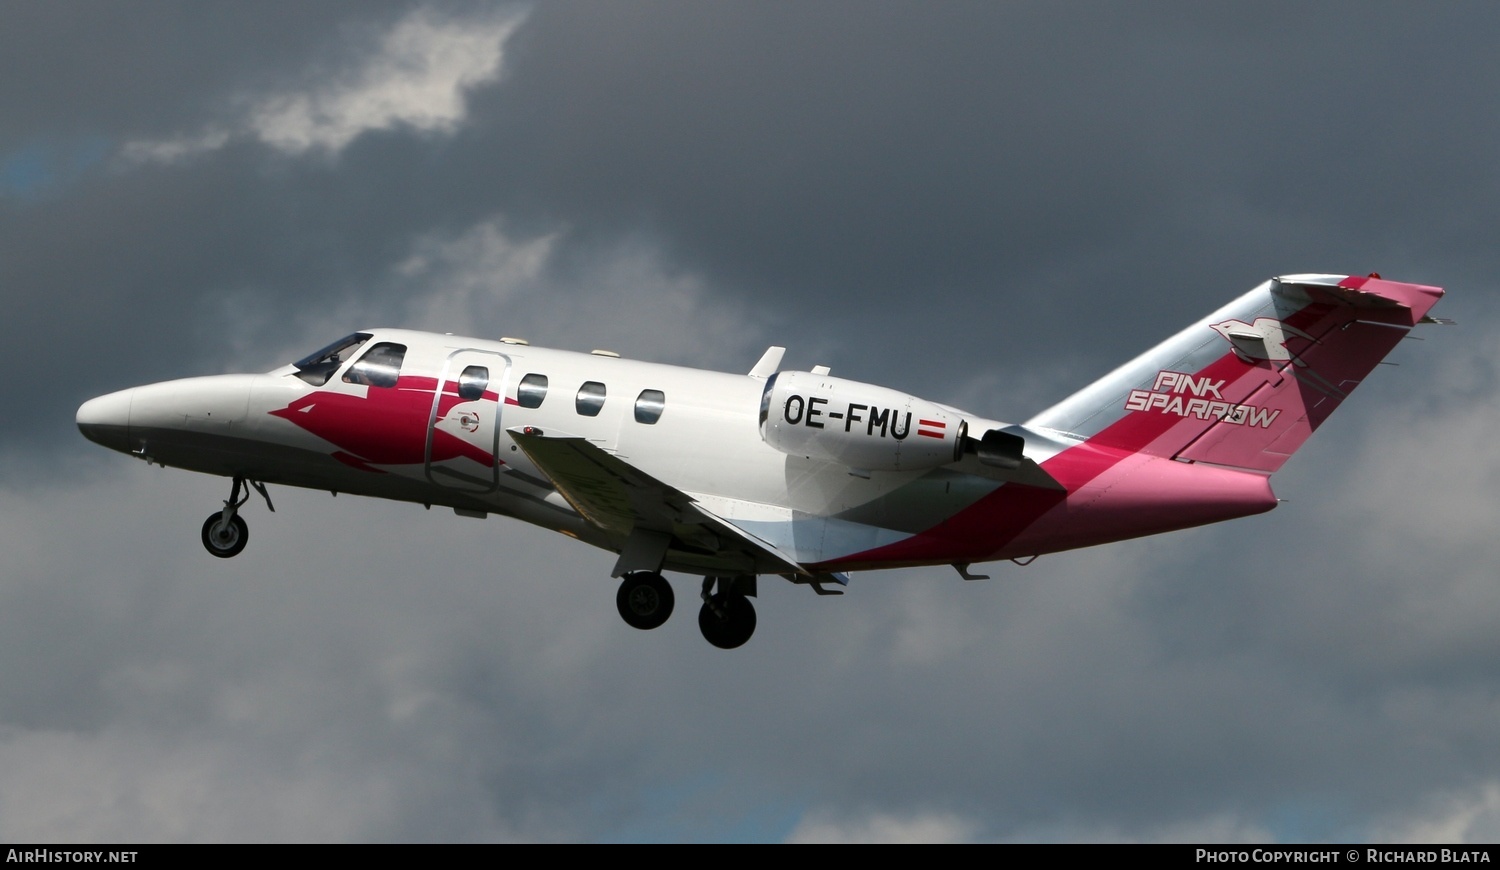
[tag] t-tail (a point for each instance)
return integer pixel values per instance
(1186, 434)
(1245, 387)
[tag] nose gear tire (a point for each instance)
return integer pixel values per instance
(228, 541)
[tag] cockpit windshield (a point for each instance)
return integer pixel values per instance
(316, 368)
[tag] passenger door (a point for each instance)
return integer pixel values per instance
(464, 428)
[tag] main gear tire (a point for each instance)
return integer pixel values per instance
(727, 620)
(645, 600)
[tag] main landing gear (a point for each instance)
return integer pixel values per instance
(225, 533)
(727, 619)
(645, 600)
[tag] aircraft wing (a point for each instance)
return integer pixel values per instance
(627, 502)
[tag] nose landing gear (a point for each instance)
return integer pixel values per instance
(225, 539)
(225, 532)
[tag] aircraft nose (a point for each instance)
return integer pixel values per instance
(106, 420)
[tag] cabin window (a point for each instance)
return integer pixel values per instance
(379, 367)
(472, 382)
(590, 398)
(649, 405)
(531, 392)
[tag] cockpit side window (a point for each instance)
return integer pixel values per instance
(316, 368)
(379, 367)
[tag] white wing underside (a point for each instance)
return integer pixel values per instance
(649, 515)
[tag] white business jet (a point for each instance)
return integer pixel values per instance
(795, 474)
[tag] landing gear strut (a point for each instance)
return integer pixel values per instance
(225, 532)
(645, 599)
(727, 618)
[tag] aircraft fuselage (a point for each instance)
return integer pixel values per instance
(800, 474)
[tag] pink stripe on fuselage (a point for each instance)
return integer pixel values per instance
(987, 528)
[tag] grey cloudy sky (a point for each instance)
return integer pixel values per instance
(986, 204)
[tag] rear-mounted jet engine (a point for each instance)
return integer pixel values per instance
(859, 425)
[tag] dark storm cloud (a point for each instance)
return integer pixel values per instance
(988, 204)
(818, 157)
(123, 248)
(114, 69)
(871, 178)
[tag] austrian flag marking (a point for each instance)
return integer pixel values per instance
(932, 428)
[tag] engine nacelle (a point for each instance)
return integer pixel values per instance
(859, 425)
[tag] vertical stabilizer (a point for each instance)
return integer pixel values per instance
(1246, 386)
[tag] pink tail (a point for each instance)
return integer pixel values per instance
(1229, 398)
(1247, 385)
